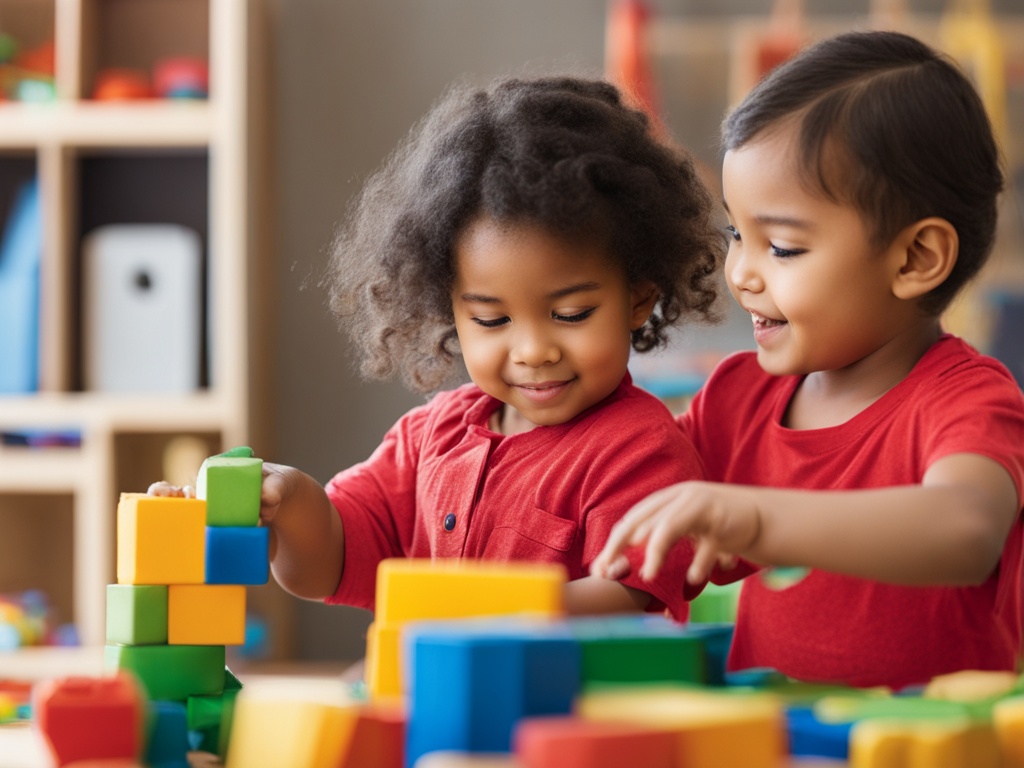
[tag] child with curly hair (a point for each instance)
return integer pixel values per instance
(536, 232)
(860, 441)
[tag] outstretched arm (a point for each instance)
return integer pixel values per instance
(948, 530)
(307, 541)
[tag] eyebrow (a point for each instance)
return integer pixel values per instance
(779, 221)
(558, 294)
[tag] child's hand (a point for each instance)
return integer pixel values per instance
(722, 520)
(279, 483)
(163, 488)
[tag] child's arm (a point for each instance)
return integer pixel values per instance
(949, 530)
(594, 595)
(307, 541)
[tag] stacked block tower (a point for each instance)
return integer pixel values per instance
(182, 569)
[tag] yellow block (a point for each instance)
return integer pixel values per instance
(713, 729)
(298, 724)
(205, 614)
(971, 685)
(953, 743)
(160, 540)
(459, 589)
(383, 660)
(1008, 719)
(411, 590)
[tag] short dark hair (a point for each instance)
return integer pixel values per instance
(562, 153)
(893, 128)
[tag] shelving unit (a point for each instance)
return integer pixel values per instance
(202, 163)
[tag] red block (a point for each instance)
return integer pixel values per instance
(85, 718)
(571, 742)
(378, 739)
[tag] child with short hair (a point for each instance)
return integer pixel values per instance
(536, 231)
(859, 441)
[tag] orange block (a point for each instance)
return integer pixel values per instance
(571, 742)
(378, 739)
(205, 614)
(160, 540)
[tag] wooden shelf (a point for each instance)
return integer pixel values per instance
(198, 163)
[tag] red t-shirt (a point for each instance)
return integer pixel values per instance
(549, 495)
(830, 627)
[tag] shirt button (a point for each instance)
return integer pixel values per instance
(449, 521)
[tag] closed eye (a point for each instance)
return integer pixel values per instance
(786, 253)
(490, 323)
(579, 317)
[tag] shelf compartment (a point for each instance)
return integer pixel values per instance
(36, 550)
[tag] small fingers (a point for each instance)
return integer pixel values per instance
(165, 489)
(705, 556)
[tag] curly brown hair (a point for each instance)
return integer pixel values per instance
(562, 153)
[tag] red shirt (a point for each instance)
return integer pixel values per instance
(830, 627)
(548, 495)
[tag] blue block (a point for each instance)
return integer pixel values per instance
(20, 254)
(237, 555)
(168, 745)
(717, 640)
(471, 682)
(811, 737)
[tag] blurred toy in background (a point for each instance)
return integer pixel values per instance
(121, 84)
(181, 77)
(26, 74)
(26, 619)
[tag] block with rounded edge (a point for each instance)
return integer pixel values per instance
(231, 485)
(170, 672)
(206, 614)
(237, 555)
(572, 742)
(160, 540)
(91, 718)
(137, 614)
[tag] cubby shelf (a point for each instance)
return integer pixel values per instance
(201, 163)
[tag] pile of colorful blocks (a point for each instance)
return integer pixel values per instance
(182, 567)
(469, 664)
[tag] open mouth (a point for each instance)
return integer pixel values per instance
(762, 322)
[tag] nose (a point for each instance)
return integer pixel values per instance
(533, 347)
(742, 271)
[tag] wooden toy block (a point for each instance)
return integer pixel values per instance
(160, 540)
(413, 589)
(168, 739)
(206, 614)
(170, 672)
(572, 742)
(209, 717)
(971, 685)
(717, 640)
(712, 729)
(137, 614)
(237, 555)
(854, 707)
(638, 649)
(230, 484)
(299, 724)
(452, 759)
(1008, 721)
(83, 718)
(809, 736)
(383, 661)
(947, 743)
(471, 682)
(378, 739)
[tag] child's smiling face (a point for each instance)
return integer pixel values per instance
(543, 322)
(818, 291)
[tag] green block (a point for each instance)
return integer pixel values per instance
(638, 650)
(854, 708)
(231, 486)
(211, 716)
(716, 604)
(171, 672)
(136, 614)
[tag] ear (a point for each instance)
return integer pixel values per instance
(927, 252)
(644, 296)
